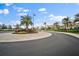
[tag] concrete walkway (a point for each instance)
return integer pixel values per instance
(9, 37)
(71, 34)
(75, 35)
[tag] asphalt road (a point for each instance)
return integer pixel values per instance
(58, 44)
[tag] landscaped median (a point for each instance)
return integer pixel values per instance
(9, 37)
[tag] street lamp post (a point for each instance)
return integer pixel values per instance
(33, 19)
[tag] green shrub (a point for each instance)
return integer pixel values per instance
(21, 32)
(24, 31)
(73, 31)
(31, 30)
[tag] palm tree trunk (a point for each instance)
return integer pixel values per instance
(26, 27)
(67, 27)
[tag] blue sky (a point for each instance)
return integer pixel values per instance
(45, 12)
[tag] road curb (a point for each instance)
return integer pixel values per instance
(71, 34)
(28, 39)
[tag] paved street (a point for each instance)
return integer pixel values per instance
(58, 44)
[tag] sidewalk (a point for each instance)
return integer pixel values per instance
(72, 34)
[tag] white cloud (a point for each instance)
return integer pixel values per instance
(21, 14)
(26, 10)
(1, 23)
(21, 9)
(42, 9)
(51, 15)
(17, 22)
(4, 11)
(13, 23)
(17, 8)
(54, 18)
(59, 18)
(1, 11)
(8, 4)
(14, 7)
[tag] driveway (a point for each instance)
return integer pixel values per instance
(58, 44)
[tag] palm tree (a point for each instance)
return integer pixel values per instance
(70, 24)
(77, 15)
(76, 18)
(26, 20)
(65, 21)
(33, 19)
(56, 24)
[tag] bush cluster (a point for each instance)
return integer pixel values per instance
(24, 31)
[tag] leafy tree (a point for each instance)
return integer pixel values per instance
(0, 26)
(76, 18)
(48, 28)
(17, 26)
(9, 27)
(65, 21)
(26, 20)
(4, 26)
(56, 24)
(70, 24)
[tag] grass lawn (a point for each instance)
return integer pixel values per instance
(69, 31)
(4, 31)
